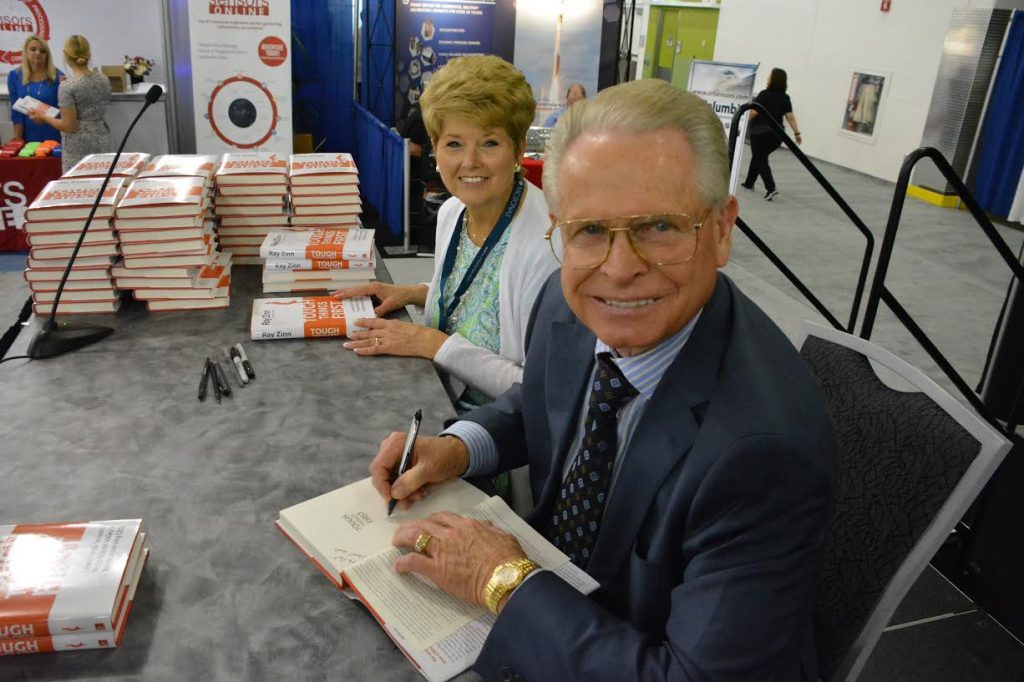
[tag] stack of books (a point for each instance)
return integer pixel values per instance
(300, 259)
(163, 222)
(53, 223)
(96, 165)
(252, 192)
(324, 190)
(68, 586)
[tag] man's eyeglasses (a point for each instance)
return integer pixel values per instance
(662, 239)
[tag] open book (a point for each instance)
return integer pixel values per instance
(347, 534)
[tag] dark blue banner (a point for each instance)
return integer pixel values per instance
(430, 32)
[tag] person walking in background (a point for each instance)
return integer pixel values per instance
(575, 93)
(83, 103)
(36, 77)
(763, 140)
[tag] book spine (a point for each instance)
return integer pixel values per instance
(44, 644)
(39, 627)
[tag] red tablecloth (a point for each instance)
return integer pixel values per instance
(20, 181)
(533, 170)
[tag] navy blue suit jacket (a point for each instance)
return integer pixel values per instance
(711, 540)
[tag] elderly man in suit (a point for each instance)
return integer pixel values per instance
(679, 450)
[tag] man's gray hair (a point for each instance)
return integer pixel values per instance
(639, 107)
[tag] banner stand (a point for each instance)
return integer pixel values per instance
(406, 250)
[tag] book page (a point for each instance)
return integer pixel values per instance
(424, 613)
(351, 523)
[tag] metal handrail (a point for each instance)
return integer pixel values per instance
(836, 197)
(879, 292)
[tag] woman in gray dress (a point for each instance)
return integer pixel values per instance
(82, 99)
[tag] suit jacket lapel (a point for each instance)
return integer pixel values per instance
(570, 359)
(664, 434)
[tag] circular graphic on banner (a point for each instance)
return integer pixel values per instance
(242, 112)
(18, 20)
(427, 30)
(415, 46)
(273, 51)
(428, 55)
(414, 70)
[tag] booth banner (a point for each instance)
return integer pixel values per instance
(241, 75)
(558, 43)
(111, 35)
(430, 32)
(20, 181)
(726, 87)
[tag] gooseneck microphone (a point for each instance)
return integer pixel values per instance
(59, 338)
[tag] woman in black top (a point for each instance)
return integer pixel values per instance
(763, 140)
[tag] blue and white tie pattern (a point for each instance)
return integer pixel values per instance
(576, 517)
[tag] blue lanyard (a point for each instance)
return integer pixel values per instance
(444, 313)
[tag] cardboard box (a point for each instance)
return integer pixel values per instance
(115, 74)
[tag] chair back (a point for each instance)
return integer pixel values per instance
(910, 463)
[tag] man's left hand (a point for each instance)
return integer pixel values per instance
(461, 555)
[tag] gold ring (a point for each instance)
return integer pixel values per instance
(421, 543)
(376, 341)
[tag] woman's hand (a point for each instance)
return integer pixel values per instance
(394, 337)
(388, 297)
(38, 114)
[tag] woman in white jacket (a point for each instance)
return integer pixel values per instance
(491, 255)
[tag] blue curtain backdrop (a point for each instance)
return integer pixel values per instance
(1001, 156)
(377, 92)
(323, 72)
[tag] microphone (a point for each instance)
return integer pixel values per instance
(64, 337)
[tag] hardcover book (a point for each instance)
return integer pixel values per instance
(315, 265)
(72, 199)
(252, 168)
(76, 641)
(318, 244)
(96, 165)
(347, 534)
(307, 317)
(178, 165)
(163, 197)
(171, 304)
(78, 307)
(319, 169)
(65, 578)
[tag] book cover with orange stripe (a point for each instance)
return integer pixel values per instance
(157, 197)
(64, 578)
(318, 244)
(86, 640)
(307, 317)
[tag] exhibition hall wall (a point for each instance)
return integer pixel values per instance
(821, 43)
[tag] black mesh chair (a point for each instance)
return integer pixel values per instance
(912, 459)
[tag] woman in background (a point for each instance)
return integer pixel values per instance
(36, 77)
(491, 255)
(764, 140)
(83, 103)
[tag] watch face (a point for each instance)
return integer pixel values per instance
(507, 574)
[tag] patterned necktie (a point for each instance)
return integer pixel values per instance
(577, 511)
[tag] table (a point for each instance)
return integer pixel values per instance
(115, 431)
(20, 181)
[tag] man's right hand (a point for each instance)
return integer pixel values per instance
(435, 460)
(386, 297)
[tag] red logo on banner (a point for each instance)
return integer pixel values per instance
(273, 51)
(886, 4)
(19, 23)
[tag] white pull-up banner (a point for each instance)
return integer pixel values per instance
(241, 75)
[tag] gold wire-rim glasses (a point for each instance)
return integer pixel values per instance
(628, 229)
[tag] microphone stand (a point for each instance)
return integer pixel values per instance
(57, 338)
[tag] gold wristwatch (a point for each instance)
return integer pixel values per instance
(506, 577)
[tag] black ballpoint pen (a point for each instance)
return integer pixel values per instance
(403, 464)
(204, 380)
(222, 378)
(213, 378)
